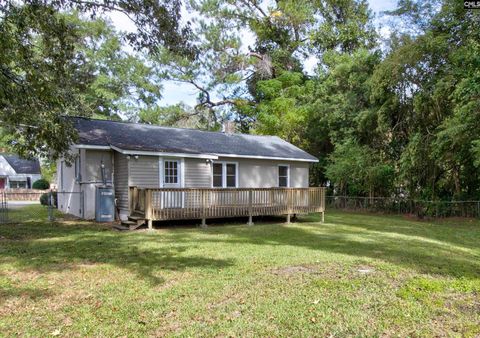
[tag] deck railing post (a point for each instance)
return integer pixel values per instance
(148, 208)
(250, 207)
(204, 209)
(289, 204)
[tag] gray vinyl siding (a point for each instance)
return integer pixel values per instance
(121, 180)
(299, 175)
(144, 171)
(258, 173)
(198, 173)
(92, 161)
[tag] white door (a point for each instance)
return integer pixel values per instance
(172, 179)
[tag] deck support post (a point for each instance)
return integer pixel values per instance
(204, 223)
(323, 216)
(250, 207)
(288, 218)
(150, 224)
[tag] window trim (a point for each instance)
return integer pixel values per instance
(224, 174)
(288, 175)
(17, 184)
(176, 168)
(78, 168)
(180, 171)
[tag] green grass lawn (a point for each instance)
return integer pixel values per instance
(355, 275)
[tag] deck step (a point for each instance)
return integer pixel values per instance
(135, 217)
(134, 223)
(128, 223)
(120, 227)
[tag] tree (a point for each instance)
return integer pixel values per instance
(179, 115)
(356, 170)
(428, 87)
(120, 82)
(283, 35)
(41, 71)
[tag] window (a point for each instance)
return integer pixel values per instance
(231, 175)
(217, 175)
(78, 176)
(224, 175)
(283, 175)
(18, 184)
(171, 172)
(61, 175)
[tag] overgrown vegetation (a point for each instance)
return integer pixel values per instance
(355, 275)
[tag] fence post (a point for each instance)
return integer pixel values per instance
(50, 206)
(250, 207)
(82, 203)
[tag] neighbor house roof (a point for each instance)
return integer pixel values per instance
(137, 137)
(21, 165)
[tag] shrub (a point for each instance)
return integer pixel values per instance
(41, 184)
(44, 198)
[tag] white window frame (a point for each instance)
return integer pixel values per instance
(17, 184)
(180, 171)
(78, 168)
(224, 173)
(288, 175)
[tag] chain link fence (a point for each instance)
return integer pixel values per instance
(394, 205)
(20, 207)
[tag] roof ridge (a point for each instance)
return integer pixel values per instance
(167, 127)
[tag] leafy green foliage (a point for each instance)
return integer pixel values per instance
(41, 184)
(50, 69)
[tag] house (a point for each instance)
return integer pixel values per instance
(176, 171)
(17, 172)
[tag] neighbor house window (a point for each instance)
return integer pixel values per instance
(171, 172)
(18, 184)
(78, 176)
(283, 171)
(224, 175)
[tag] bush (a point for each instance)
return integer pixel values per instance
(44, 198)
(41, 184)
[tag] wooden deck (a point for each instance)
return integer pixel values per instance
(204, 203)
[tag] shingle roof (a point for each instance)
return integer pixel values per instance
(144, 137)
(21, 165)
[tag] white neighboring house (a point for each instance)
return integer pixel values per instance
(17, 172)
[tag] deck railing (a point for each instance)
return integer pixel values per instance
(203, 203)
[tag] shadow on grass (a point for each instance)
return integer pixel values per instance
(54, 247)
(445, 249)
(29, 292)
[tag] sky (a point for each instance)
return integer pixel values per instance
(174, 92)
